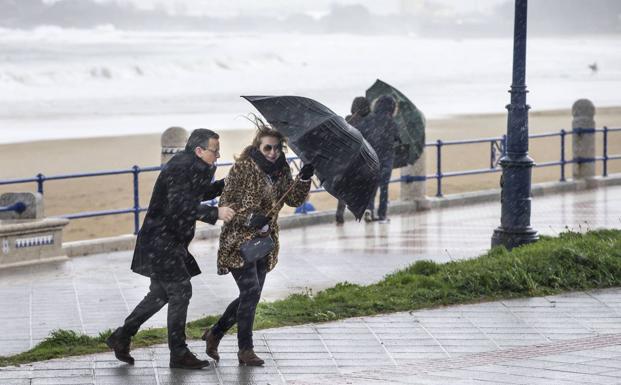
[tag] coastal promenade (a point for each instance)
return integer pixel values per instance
(572, 338)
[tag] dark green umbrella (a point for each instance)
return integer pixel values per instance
(410, 119)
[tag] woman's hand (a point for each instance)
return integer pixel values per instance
(258, 221)
(307, 171)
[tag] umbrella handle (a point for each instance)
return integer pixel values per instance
(297, 178)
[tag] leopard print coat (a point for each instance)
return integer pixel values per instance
(249, 190)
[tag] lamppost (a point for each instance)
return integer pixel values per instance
(515, 229)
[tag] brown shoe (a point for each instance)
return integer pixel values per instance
(248, 357)
(212, 343)
(187, 361)
(120, 345)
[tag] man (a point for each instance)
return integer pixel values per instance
(360, 109)
(381, 131)
(161, 251)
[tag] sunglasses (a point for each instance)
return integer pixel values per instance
(269, 148)
(215, 152)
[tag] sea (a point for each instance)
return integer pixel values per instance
(58, 83)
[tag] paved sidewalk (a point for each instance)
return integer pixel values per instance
(566, 339)
(94, 293)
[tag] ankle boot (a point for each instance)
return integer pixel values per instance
(120, 344)
(248, 357)
(187, 361)
(212, 343)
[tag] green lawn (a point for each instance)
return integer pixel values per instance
(571, 261)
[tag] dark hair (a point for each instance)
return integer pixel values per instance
(200, 138)
(360, 106)
(385, 104)
(263, 130)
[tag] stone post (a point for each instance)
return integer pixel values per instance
(583, 139)
(28, 237)
(173, 141)
(413, 181)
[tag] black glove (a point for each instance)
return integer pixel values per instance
(218, 185)
(257, 221)
(307, 171)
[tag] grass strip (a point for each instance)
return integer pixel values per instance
(571, 261)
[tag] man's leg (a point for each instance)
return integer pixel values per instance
(120, 340)
(340, 211)
(150, 304)
(369, 215)
(385, 174)
(179, 294)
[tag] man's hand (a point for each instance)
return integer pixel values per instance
(225, 213)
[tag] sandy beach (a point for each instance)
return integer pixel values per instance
(56, 157)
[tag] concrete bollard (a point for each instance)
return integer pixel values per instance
(33, 202)
(173, 141)
(414, 191)
(28, 237)
(583, 139)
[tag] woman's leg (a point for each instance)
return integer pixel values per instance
(227, 320)
(244, 276)
(249, 294)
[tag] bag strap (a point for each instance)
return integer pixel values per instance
(282, 198)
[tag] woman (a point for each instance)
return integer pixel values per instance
(254, 186)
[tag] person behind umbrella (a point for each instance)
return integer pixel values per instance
(360, 108)
(381, 131)
(255, 184)
(161, 251)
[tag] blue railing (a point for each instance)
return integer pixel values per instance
(497, 148)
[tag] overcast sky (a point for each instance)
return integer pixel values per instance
(225, 8)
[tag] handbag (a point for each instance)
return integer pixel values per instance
(259, 247)
(256, 248)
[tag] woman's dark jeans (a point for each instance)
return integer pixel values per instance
(249, 279)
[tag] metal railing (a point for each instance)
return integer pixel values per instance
(497, 148)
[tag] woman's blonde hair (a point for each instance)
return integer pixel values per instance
(263, 130)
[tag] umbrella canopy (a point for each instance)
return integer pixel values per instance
(345, 163)
(410, 119)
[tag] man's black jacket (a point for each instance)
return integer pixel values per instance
(162, 245)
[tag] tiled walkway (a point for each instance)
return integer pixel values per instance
(94, 293)
(573, 338)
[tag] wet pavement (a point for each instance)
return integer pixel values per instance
(572, 338)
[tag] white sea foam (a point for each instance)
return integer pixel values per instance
(74, 83)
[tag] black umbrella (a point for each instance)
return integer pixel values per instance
(345, 163)
(410, 119)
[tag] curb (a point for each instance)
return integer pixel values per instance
(127, 242)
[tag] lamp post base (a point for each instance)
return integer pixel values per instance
(511, 238)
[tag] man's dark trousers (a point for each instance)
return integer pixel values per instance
(385, 173)
(177, 294)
